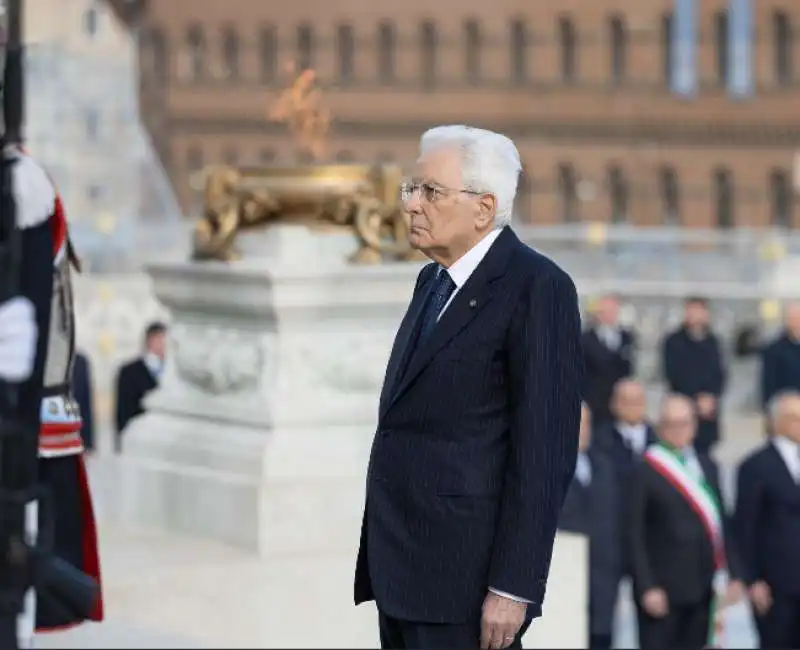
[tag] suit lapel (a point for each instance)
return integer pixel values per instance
(467, 304)
(402, 340)
(784, 471)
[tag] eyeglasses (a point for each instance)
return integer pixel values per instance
(428, 192)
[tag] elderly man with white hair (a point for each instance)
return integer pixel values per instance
(768, 525)
(479, 414)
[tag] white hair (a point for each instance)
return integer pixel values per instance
(776, 402)
(489, 162)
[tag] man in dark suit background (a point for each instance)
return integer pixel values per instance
(780, 365)
(138, 377)
(479, 413)
(82, 390)
(609, 351)
(592, 508)
(767, 526)
(674, 559)
(693, 366)
(629, 434)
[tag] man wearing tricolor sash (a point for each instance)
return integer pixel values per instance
(681, 558)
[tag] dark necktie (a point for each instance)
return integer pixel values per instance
(443, 287)
(441, 291)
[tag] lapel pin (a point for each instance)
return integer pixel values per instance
(473, 303)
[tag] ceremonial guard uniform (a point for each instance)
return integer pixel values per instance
(66, 505)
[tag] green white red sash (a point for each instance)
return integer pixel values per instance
(699, 495)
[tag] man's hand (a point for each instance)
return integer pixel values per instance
(761, 597)
(501, 621)
(656, 603)
(18, 334)
(706, 405)
(733, 593)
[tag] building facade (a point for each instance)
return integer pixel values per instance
(82, 123)
(648, 112)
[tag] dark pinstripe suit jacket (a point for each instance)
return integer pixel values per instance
(476, 444)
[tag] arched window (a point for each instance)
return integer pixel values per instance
(429, 45)
(723, 197)
(780, 192)
(387, 52)
(305, 47)
(155, 54)
(90, 22)
(567, 39)
(568, 192)
(618, 43)
(266, 156)
(472, 51)
(268, 53)
(346, 42)
(782, 38)
(667, 71)
(520, 45)
(669, 191)
(523, 205)
(230, 53)
(618, 194)
(230, 156)
(345, 156)
(194, 158)
(196, 44)
(721, 47)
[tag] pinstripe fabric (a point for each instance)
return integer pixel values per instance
(476, 444)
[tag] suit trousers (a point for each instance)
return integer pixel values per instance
(407, 635)
(685, 627)
(780, 626)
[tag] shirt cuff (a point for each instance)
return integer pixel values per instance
(503, 594)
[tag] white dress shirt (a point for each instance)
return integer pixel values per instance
(693, 465)
(460, 271)
(154, 364)
(790, 452)
(610, 335)
(583, 469)
(635, 436)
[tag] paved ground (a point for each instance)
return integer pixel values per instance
(170, 592)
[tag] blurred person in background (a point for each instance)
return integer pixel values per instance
(608, 350)
(82, 391)
(678, 536)
(629, 434)
(767, 526)
(780, 362)
(138, 377)
(624, 442)
(694, 367)
(592, 508)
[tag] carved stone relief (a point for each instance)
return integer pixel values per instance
(217, 360)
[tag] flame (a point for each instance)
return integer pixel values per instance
(301, 108)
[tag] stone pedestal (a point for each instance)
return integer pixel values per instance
(259, 435)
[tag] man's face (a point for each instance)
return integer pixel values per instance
(157, 344)
(677, 424)
(696, 315)
(607, 312)
(630, 402)
(444, 217)
(793, 320)
(787, 423)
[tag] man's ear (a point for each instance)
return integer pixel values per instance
(487, 209)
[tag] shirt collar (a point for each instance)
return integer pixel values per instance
(465, 266)
(153, 363)
(786, 446)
